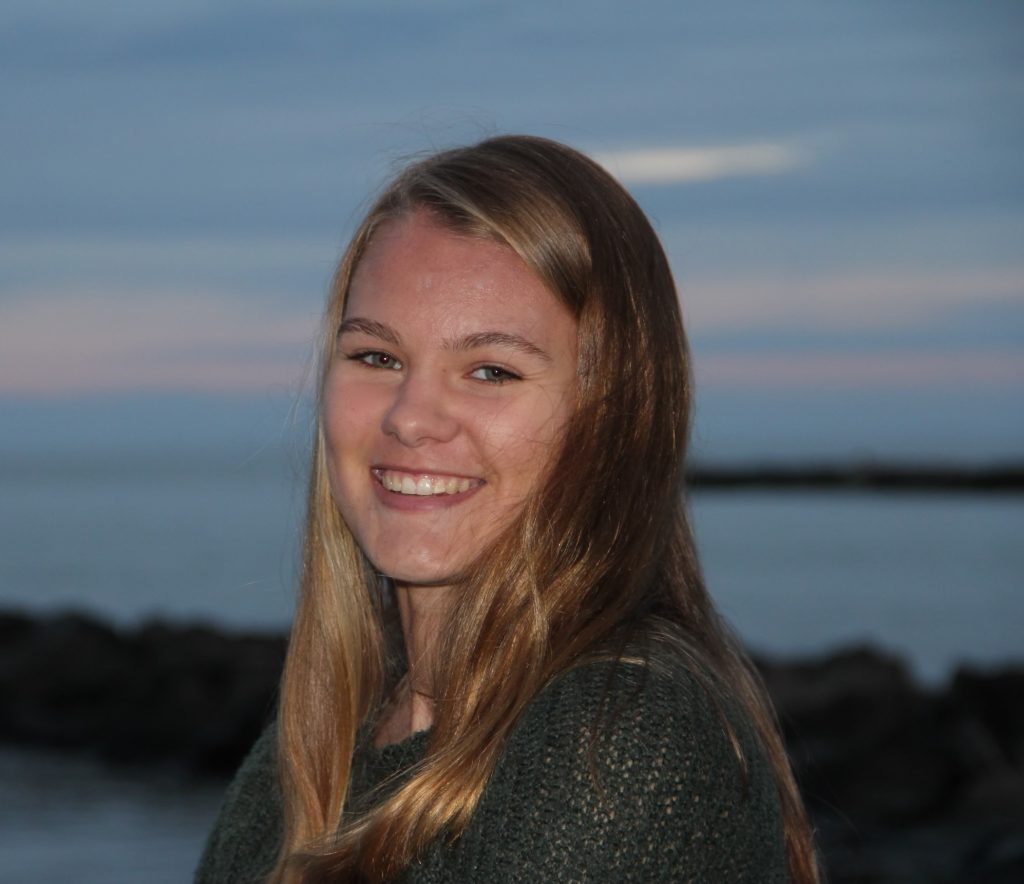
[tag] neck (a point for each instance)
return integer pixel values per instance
(422, 610)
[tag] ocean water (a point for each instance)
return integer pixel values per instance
(937, 578)
(72, 819)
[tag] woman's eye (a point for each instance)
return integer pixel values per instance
(493, 374)
(376, 359)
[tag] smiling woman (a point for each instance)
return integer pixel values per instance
(504, 665)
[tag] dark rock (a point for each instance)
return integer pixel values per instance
(843, 700)
(903, 784)
(994, 700)
(865, 738)
(187, 695)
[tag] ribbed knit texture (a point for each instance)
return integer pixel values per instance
(616, 773)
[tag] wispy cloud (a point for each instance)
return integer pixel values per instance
(88, 265)
(865, 299)
(854, 371)
(83, 343)
(679, 165)
(69, 340)
(115, 250)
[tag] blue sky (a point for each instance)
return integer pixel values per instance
(839, 185)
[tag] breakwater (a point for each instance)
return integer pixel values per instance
(995, 478)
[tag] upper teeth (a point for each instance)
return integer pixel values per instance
(423, 485)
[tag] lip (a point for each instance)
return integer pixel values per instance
(414, 503)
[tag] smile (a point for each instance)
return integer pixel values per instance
(423, 484)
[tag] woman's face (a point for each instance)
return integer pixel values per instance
(453, 377)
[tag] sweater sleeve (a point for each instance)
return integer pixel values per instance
(245, 839)
(621, 773)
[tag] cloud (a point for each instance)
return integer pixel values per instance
(853, 371)
(203, 249)
(71, 343)
(864, 299)
(817, 331)
(680, 165)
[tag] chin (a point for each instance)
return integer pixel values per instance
(419, 572)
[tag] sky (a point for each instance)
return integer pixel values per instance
(839, 186)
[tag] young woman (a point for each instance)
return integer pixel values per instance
(504, 665)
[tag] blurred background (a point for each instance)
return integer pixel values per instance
(839, 187)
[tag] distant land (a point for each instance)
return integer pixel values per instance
(867, 476)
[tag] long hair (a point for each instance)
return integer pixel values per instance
(597, 556)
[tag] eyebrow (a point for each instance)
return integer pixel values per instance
(372, 328)
(498, 339)
(468, 342)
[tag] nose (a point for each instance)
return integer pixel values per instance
(420, 412)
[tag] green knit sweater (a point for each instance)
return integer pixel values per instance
(616, 772)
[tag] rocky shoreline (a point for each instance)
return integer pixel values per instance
(903, 783)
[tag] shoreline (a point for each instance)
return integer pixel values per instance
(896, 775)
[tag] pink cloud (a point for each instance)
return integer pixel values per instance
(83, 343)
(879, 298)
(860, 370)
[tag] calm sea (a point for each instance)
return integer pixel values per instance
(937, 578)
(70, 819)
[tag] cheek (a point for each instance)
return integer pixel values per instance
(351, 413)
(521, 443)
(349, 422)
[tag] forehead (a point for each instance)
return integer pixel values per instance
(415, 268)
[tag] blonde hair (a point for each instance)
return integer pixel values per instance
(585, 566)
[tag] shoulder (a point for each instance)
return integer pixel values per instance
(647, 728)
(244, 841)
(639, 705)
(621, 771)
